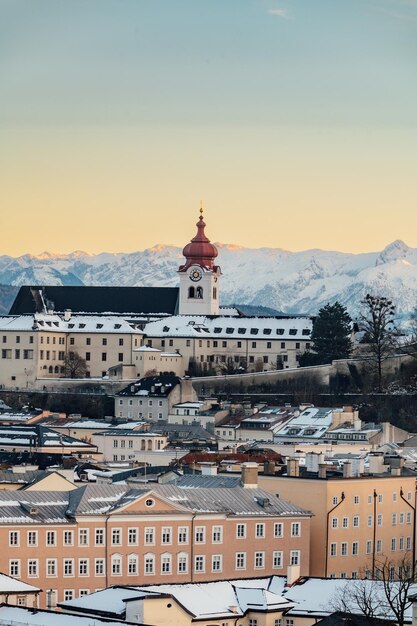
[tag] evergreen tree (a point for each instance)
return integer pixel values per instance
(330, 336)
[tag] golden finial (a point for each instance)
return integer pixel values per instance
(201, 207)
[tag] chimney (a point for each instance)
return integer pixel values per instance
(269, 468)
(376, 463)
(67, 315)
(322, 470)
(293, 467)
(208, 469)
(293, 574)
(347, 469)
(250, 475)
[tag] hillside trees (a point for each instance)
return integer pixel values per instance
(330, 336)
(74, 365)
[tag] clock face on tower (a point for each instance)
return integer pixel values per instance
(196, 275)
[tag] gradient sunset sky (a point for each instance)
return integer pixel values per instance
(294, 120)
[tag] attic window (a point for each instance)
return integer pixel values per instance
(254, 331)
(293, 331)
(165, 329)
(99, 325)
(229, 330)
(117, 325)
(241, 331)
(81, 325)
(280, 331)
(267, 331)
(71, 325)
(306, 331)
(149, 502)
(217, 330)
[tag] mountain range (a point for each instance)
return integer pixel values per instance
(291, 282)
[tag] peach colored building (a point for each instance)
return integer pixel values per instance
(96, 536)
(357, 522)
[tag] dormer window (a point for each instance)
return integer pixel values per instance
(306, 332)
(241, 331)
(254, 331)
(267, 331)
(280, 331)
(217, 330)
(293, 331)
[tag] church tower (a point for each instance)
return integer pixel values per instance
(199, 276)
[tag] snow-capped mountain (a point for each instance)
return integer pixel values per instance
(293, 282)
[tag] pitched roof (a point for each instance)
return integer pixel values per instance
(136, 300)
(152, 386)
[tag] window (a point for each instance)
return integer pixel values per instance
(259, 560)
(295, 557)
(333, 549)
(200, 563)
(14, 538)
(83, 537)
(408, 543)
(116, 565)
(149, 536)
(278, 529)
(32, 537)
(99, 567)
(200, 534)
(88, 341)
(216, 563)
(253, 621)
(343, 548)
(380, 498)
(345, 522)
(401, 518)
(217, 534)
(394, 519)
(393, 544)
(355, 548)
(51, 538)
(355, 521)
(104, 341)
(68, 594)
(104, 356)
(379, 546)
(14, 568)
(335, 522)
(99, 536)
(241, 531)
(68, 567)
(408, 518)
(166, 564)
(295, 529)
(120, 357)
(368, 546)
(369, 520)
(277, 559)
(334, 500)
(68, 537)
(401, 543)
(132, 536)
(33, 568)
(355, 499)
(88, 356)
(379, 519)
(260, 530)
(166, 535)
(116, 537)
(240, 560)
(182, 534)
(83, 567)
(132, 564)
(182, 563)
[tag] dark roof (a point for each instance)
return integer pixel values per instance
(156, 386)
(351, 619)
(135, 300)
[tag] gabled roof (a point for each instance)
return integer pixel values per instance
(152, 386)
(135, 300)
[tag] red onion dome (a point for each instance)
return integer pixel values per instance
(200, 251)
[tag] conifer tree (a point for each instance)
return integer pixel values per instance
(330, 336)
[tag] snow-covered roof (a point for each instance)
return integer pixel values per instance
(52, 322)
(36, 617)
(312, 423)
(200, 326)
(312, 597)
(11, 585)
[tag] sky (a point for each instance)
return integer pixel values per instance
(294, 121)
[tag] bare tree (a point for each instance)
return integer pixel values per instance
(361, 597)
(397, 583)
(378, 322)
(74, 365)
(386, 597)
